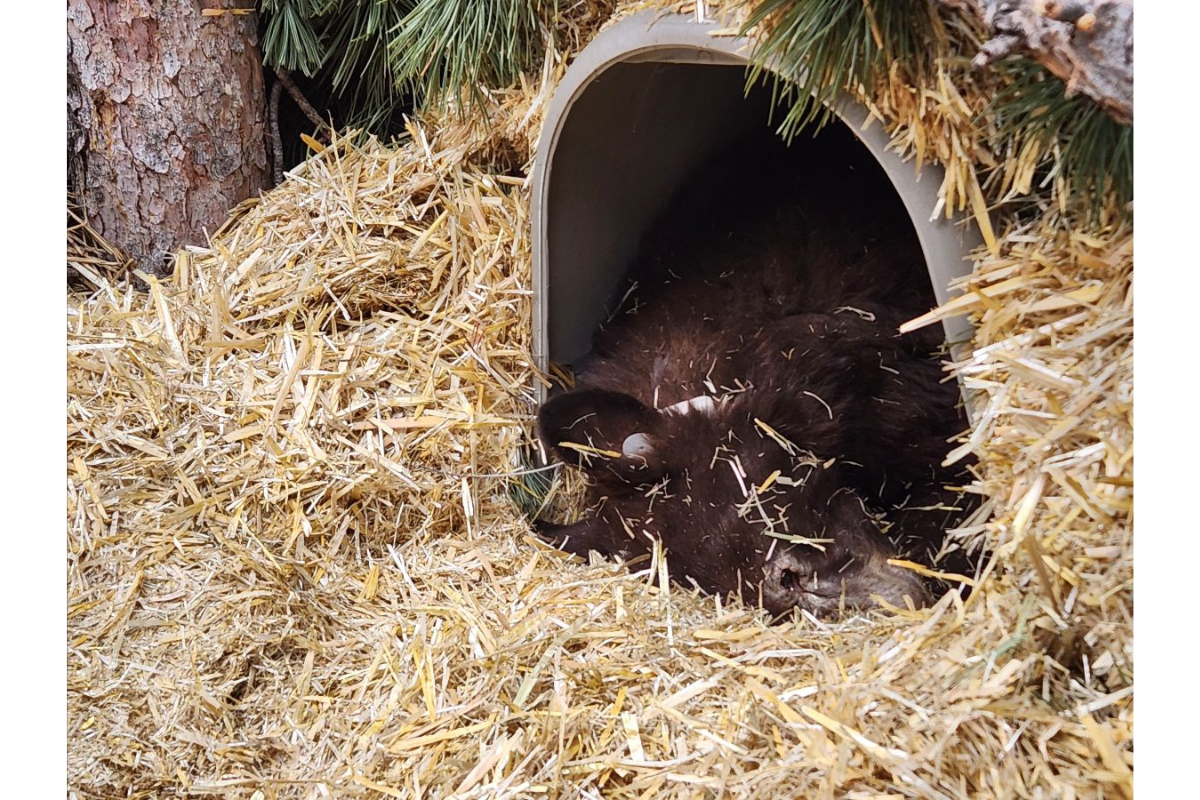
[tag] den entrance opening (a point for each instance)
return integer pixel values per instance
(701, 265)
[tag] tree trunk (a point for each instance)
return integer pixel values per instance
(1087, 43)
(165, 108)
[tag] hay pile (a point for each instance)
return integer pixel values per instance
(295, 568)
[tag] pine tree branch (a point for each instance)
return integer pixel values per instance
(286, 81)
(1086, 43)
(276, 139)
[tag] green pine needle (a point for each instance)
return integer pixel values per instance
(1095, 153)
(381, 54)
(290, 40)
(529, 490)
(447, 46)
(817, 48)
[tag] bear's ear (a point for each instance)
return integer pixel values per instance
(600, 430)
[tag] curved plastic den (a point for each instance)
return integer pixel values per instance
(643, 105)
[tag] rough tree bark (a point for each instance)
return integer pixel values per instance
(165, 109)
(1087, 43)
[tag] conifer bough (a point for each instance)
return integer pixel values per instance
(1086, 43)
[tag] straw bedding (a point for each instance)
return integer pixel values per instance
(296, 569)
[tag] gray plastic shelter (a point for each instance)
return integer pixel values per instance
(643, 105)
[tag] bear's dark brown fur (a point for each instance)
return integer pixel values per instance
(752, 405)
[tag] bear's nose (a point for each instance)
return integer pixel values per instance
(789, 576)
